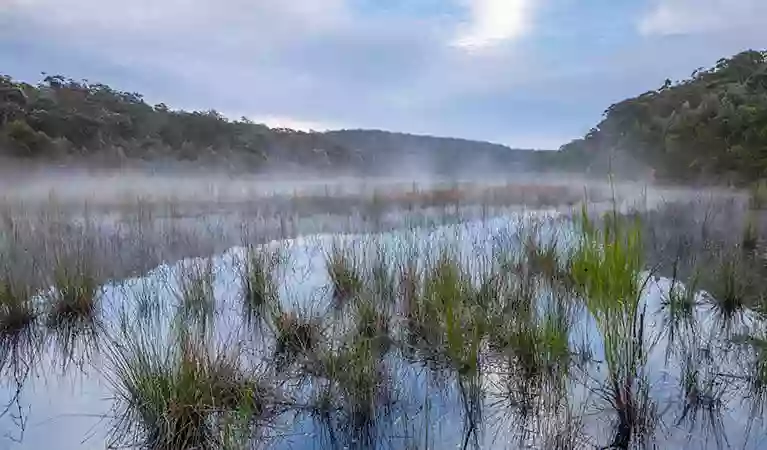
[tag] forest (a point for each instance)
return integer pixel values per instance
(61, 119)
(711, 127)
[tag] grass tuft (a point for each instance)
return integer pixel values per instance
(729, 292)
(183, 396)
(259, 285)
(296, 334)
(344, 272)
(17, 321)
(74, 308)
(606, 267)
(196, 295)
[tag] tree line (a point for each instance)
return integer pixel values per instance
(711, 127)
(62, 117)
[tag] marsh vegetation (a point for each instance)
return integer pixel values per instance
(468, 316)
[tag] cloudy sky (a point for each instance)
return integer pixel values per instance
(528, 73)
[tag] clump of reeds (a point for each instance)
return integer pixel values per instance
(753, 365)
(606, 267)
(729, 291)
(543, 257)
(74, 308)
(449, 307)
(197, 301)
(679, 307)
(296, 334)
(259, 283)
(703, 391)
(18, 314)
(352, 381)
(372, 323)
(383, 278)
(184, 396)
(344, 272)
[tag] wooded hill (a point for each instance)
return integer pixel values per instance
(711, 127)
(61, 119)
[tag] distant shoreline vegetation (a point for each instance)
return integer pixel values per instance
(710, 128)
(61, 119)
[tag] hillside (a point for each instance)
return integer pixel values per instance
(400, 151)
(64, 120)
(711, 127)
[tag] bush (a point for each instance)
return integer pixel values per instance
(25, 140)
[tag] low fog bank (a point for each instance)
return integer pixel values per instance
(40, 184)
(69, 184)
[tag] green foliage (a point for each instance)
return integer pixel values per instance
(74, 307)
(296, 334)
(182, 396)
(259, 285)
(606, 268)
(344, 272)
(449, 307)
(712, 125)
(94, 118)
(17, 322)
(25, 140)
(197, 300)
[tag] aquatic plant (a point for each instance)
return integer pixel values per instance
(729, 291)
(344, 272)
(678, 308)
(606, 266)
(296, 333)
(18, 331)
(703, 389)
(259, 283)
(352, 380)
(183, 395)
(382, 274)
(195, 293)
(449, 306)
(74, 309)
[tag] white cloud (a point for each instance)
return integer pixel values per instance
(675, 17)
(495, 21)
(294, 124)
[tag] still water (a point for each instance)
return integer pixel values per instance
(72, 408)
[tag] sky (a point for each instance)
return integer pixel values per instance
(525, 73)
